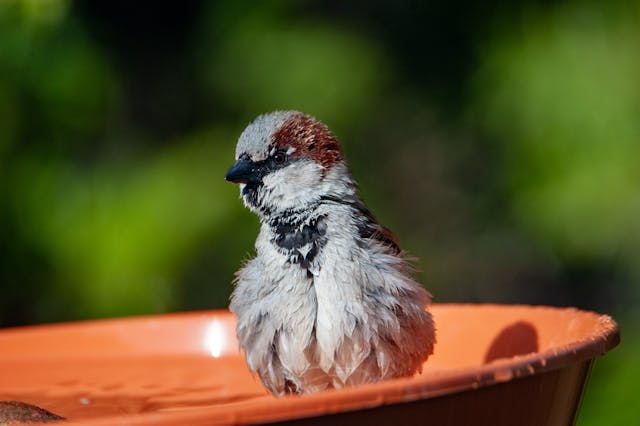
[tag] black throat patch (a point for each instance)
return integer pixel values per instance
(301, 239)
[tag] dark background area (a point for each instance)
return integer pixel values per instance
(500, 142)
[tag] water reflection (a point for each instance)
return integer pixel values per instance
(215, 339)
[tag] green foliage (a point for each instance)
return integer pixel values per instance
(51, 69)
(562, 97)
(127, 231)
(265, 60)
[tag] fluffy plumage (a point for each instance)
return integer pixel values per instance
(329, 300)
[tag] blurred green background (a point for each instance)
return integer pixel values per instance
(501, 142)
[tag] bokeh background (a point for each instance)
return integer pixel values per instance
(501, 142)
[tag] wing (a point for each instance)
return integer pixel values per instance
(368, 226)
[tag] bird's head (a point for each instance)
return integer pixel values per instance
(286, 160)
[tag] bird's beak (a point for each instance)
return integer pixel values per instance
(242, 171)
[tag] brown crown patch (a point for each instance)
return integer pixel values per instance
(309, 137)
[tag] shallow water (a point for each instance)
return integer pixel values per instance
(80, 389)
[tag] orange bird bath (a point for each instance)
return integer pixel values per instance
(493, 365)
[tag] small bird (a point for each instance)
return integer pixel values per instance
(328, 301)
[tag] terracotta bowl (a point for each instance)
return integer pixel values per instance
(494, 365)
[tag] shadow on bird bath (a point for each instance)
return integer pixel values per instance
(519, 338)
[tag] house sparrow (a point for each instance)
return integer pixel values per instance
(328, 301)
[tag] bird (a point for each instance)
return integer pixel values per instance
(329, 300)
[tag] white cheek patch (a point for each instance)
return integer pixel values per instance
(295, 184)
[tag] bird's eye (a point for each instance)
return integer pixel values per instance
(279, 157)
